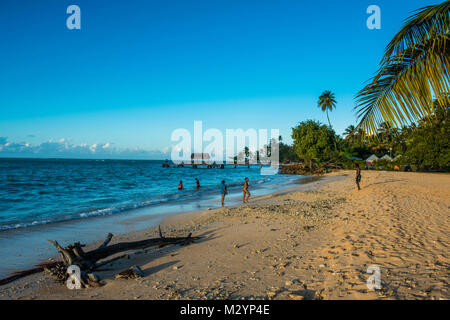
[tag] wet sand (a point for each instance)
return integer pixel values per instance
(314, 241)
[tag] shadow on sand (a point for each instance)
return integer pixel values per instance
(143, 257)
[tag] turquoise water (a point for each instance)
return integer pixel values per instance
(38, 191)
(83, 200)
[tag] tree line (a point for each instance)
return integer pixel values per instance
(404, 109)
(425, 144)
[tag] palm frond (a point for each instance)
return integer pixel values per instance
(403, 89)
(419, 27)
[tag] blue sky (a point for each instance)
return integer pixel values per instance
(137, 70)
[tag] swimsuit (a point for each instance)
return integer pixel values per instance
(245, 189)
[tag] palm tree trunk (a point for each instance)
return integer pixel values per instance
(329, 123)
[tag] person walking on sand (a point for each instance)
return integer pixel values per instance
(223, 191)
(197, 184)
(358, 176)
(180, 185)
(246, 192)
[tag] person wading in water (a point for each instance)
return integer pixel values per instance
(246, 192)
(223, 191)
(197, 184)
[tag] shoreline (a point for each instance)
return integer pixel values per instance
(187, 196)
(312, 242)
(302, 184)
(30, 242)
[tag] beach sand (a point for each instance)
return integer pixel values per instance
(314, 241)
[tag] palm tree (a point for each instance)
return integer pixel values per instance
(350, 133)
(327, 102)
(415, 67)
(384, 131)
(385, 136)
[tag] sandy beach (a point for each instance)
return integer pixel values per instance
(314, 241)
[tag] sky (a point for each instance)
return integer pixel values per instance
(137, 70)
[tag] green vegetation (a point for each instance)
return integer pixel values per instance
(287, 152)
(313, 142)
(415, 68)
(421, 146)
(403, 112)
(428, 145)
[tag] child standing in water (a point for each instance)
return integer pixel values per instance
(180, 186)
(223, 190)
(358, 176)
(197, 184)
(246, 192)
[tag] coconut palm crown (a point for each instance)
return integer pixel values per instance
(327, 102)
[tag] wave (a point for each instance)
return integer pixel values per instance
(121, 208)
(93, 213)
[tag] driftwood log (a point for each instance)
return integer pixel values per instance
(89, 261)
(22, 273)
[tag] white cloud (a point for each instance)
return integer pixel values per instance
(63, 148)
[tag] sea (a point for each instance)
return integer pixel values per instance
(73, 200)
